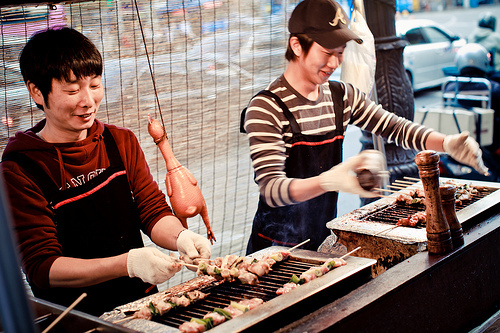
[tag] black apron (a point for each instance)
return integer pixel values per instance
(95, 220)
(309, 156)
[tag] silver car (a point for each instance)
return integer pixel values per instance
(431, 48)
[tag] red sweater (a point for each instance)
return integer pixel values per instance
(70, 164)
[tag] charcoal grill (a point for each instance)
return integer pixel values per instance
(379, 217)
(373, 226)
(277, 309)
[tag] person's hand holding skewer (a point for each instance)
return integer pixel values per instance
(192, 246)
(151, 265)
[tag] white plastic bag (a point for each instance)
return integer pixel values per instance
(358, 67)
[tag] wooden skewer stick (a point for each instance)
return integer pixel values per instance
(385, 190)
(397, 187)
(411, 178)
(404, 182)
(65, 312)
(188, 265)
(298, 245)
(122, 320)
(381, 232)
(349, 253)
(204, 259)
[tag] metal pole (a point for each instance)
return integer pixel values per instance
(16, 312)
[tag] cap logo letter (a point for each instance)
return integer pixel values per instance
(338, 17)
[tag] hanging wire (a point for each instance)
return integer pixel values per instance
(149, 63)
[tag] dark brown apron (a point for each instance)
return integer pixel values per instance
(95, 220)
(309, 156)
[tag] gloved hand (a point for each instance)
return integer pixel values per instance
(342, 177)
(151, 265)
(465, 149)
(192, 246)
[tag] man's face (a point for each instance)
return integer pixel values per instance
(72, 106)
(320, 63)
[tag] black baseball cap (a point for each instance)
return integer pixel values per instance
(324, 21)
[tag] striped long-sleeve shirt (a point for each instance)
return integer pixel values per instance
(269, 132)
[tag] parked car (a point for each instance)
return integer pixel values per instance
(431, 48)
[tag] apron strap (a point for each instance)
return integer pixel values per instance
(337, 92)
(291, 119)
(112, 149)
(293, 123)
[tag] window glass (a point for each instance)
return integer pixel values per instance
(414, 36)
(435, 35)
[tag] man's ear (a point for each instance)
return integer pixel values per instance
(295, 46)
(35, 93)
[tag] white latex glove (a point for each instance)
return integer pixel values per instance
(151, 265)
(342, 177)
(465, 149)
(192, 246)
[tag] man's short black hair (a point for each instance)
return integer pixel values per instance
(305, 43)
(54, 54)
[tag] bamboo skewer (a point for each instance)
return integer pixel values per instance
(403, 182)
(388, 229)
(188, 265)
(385, 190)
(298, 245)
(349, 253)
(65, 312)
(411, 178)
(122, 320)
(396, 187)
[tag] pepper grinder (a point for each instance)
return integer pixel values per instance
(438, 231)
(447, 193)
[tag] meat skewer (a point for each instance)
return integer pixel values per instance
(246, 270)
(313, 273)
(412, 220)
(219, 315)
(159, 307)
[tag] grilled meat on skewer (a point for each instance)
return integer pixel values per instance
(310, 274)
(218, 316)
(413, 220)
(287, 287)
(246, 270)
(160, 306)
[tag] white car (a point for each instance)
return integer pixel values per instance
(431, 48)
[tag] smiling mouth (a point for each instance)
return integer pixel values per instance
(86, 115)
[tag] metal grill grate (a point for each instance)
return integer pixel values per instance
(390, 214)
(221, 294)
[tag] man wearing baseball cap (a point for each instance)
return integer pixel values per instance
(296, 127)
